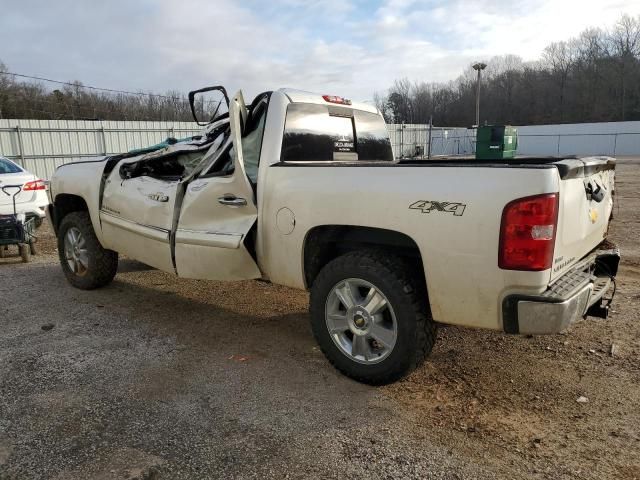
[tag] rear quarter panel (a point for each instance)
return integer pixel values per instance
(459, 252)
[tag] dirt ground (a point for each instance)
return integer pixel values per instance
(157, 378)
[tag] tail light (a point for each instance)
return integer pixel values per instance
(528, 233)
(35, 185)
(336, 99)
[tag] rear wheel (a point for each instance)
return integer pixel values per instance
(3, 251)
(370, 316)
(85, 263)
(33, 248)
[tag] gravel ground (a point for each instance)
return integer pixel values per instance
(157, 378)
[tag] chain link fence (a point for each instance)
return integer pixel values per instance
(424, 142)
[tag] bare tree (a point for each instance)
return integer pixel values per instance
(380, 101)
(625, 42)
(399, 101)
(560, 57)
(23, 99)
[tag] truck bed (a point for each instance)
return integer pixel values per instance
(568, 166)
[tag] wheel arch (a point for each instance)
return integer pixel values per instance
(323, 243)
(63, 204)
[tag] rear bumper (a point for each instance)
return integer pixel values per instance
(581, 292)
(36, 206)
(29, 209)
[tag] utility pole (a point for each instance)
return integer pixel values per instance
(478, 67)
(430, 132)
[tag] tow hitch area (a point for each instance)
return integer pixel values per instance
(606, 268)
(586, 290)
(599, 311)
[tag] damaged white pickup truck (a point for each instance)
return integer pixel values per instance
(303, 190)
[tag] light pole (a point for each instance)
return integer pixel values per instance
(478, 67)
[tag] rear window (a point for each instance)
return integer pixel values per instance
(321, 133)
(8, 167)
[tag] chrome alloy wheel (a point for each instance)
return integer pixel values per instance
(361, 321)
(75, 251)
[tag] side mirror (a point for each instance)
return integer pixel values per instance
(208, 103)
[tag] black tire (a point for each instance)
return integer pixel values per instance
(102, 263)
(3, 251)
(25, 252)
(33, 248)
(405, 290)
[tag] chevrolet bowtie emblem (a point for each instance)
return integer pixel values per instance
(158, 197)
(593, 215)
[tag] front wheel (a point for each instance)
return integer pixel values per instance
(370, 316)
(85, 263)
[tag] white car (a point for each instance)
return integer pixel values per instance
(32, 200)
(303, 190)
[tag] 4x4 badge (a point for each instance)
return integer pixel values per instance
(427, 206)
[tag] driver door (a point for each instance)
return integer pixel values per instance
(216, 216)
(136, 217)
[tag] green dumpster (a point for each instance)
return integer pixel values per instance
(495, 142)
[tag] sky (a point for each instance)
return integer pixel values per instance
(343, 47)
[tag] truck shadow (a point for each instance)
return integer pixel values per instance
(198, 364)
(126, 265)
(198, 334)
(12, 257)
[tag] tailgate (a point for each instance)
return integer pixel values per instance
(586, 202)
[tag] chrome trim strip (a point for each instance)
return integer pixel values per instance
(208, 239)
(148, 231)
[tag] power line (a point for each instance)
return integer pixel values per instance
(18, 106)
(107, 103)
(111, 90)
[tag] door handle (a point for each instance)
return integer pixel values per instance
(232, 201)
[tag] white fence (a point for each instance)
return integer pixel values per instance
(611, 138)
(42, 145)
